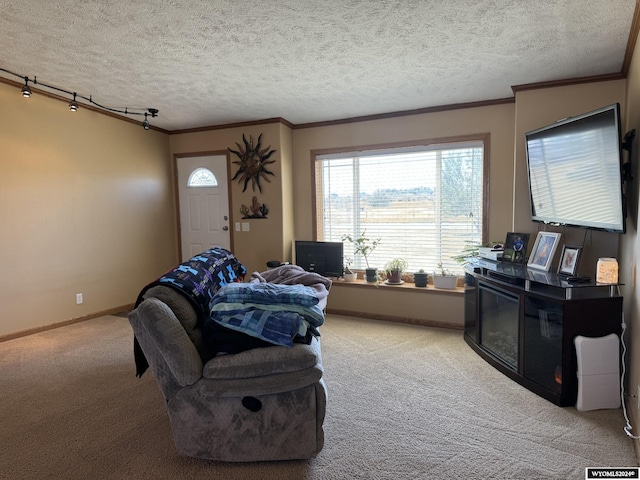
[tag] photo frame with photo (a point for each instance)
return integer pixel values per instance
(515, 247)
(543, 251)
(569, 260)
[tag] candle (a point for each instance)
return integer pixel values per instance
(607, 270)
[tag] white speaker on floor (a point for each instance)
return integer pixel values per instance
(598, 372)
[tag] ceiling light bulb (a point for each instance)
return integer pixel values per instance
(145, 123)
(26, 91)
(73, 106)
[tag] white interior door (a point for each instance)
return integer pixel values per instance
(203, 194)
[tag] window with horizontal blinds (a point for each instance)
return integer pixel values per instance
(424, 203)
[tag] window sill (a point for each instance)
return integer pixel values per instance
(405, 287)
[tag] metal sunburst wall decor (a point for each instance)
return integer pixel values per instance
(253, 162)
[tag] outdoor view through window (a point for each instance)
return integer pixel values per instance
(424, 203)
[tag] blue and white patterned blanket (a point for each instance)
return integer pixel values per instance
(274, 313)
(200, 277)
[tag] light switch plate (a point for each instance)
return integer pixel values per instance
(245, 226)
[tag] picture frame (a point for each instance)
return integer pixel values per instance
(543, 251)
(515, 247)
(569, 260)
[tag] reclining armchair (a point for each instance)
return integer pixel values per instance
(234, 395)
(257, 405)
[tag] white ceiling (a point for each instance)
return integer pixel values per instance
(212, 62)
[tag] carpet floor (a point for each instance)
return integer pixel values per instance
(405, 402)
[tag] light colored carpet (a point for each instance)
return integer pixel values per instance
(405, 402)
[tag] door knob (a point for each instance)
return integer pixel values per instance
(225, 228)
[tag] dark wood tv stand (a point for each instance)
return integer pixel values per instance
(524, 321)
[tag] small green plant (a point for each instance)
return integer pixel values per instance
(362, 245)
(394, 269)
(420, 278)
(396, 265)
(347, 264)
(442, 271)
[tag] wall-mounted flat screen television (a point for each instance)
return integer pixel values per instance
(575, 171)
(323, 258)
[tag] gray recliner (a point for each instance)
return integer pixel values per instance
(261, 404)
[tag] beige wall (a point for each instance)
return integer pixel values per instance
(85, 207)
(537, 108)
(266, 238)
(288, 227)
(496, 120)
(630, 248)
(415, 305)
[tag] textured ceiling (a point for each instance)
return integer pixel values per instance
(212, 62)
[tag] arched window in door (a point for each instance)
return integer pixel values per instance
(202, 177)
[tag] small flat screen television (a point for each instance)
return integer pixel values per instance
(323, 258)
(575, 171)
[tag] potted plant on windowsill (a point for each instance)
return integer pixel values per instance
(420, 278)
(394, 270)
(364, 246)
(444, 279)
(348, 274)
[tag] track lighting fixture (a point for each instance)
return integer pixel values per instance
(26, 91)
(74, 105)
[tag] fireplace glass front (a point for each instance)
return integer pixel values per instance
(498, 321)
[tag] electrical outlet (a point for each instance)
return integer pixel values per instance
(79, 300)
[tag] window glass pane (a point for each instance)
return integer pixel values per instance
(202, 177)
(423, 203)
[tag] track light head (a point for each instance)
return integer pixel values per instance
(153, 112)
(145, 123)
(73, 106)
(26, 91)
